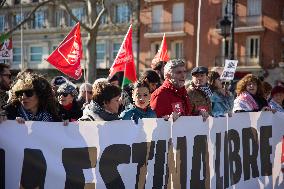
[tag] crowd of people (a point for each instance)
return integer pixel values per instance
(162, 92)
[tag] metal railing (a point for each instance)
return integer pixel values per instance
(245, 21)
(165, 27)
(246, 60)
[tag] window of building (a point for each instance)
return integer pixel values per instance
(122, 13)
(115, 49)
(103, 19)
(252, 49)
(157, 18)
(177, 49)
(254, 7)
(178, 16)
(39, 20)
(17, 19)
(78, 13)
(101, 55)
(16, 55)
(2, 23)
(59, 18)
(36, 53)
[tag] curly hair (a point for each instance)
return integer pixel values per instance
(242, 84)
(104, 92)
(42, 89)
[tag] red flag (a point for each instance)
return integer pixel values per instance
(66, 57)
(162, 54)
(124, 60)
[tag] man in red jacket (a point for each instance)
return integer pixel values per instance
(171, 99)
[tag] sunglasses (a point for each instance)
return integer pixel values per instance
(63, 94)
(28, 93)
(7, 75)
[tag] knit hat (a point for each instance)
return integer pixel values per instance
(68, 88)
(58, 80)
(277, 89)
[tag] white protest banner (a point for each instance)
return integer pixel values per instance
(243, 151)
(6, 49)
(229, 70)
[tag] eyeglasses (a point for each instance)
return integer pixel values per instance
(63, 94)
(28, 93)
(8, 75)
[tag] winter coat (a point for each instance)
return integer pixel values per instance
(199, 100)
(136, 113)
(94, 112)
(247, 102)
(274, 105)
(17, 110)
(73, 114)
(221, 104)
(167, 99)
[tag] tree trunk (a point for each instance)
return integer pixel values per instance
(91, 58)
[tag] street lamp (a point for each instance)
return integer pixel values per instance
(228, 28)
(225, 26)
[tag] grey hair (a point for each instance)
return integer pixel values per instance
(171, 64)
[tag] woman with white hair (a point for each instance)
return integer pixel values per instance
(85, 95)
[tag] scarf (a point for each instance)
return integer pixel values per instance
(40, 116)
(106, 116)
(206, 90)
(245, 102)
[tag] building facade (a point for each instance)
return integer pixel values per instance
(258, 35)
(50, 25)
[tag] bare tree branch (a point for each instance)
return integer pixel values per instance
(74, 17)
(2, 2)
(99, 15)
(28, 17)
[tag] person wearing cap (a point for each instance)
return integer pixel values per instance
(56, 82)
(69, 109)
(85, 94)
(277, 97)
(32, 100)
(171, 99)
(199, 92)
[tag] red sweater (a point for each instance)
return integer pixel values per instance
(167, 99)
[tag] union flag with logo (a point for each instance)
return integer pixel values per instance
(124, 60)
(67, 56)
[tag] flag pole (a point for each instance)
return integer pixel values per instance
(85, 75)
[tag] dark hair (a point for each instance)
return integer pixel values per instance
(113, 78)
(104, 92)
(42, 89)
(140, 84)
(151, 76)
(3, 66)
(212, 76)
(266, 87)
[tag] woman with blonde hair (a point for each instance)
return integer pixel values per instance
(250, 96)
(32, 100)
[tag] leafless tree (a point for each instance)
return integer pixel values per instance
(90, 25)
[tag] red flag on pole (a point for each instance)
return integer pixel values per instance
(162, 54)
(124, 60)
(66, 57)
